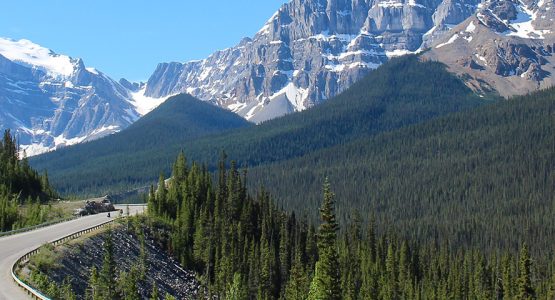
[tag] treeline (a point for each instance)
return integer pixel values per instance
(243, 247)
(20, 184)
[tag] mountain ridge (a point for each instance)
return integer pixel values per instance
(51, 100)
(384, 100)
(506, 46)
(307, 52)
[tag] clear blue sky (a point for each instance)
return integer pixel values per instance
(127, 38)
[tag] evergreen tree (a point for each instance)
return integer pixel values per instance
(161, 196)
(128, 284)
(525, 290)
(154, 295)
(507, 277)
(237, 290)
(298, 285)
(93, 288)
(106, 278)
(66, 291)
(152, 205)
(551, 293)
(326, 283)
(169, 297)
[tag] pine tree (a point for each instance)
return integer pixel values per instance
(155, 293)
(107, 279)
(318, 289)
(391, 273)
(93, 288)
(128, 284)
(169, 297)
(66, 290)
(525, 290)
(551, 292)
(326, 283)
(179, 172)
(284, 251)
(507, 277)
(237, 289)
(152, 206)
(161, 196)
(298, 286)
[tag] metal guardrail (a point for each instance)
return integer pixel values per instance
(30, 228)
(30, 290)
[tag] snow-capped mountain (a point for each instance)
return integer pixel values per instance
(505, 45)
(50, 100)
(309, 51)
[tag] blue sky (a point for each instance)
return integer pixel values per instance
(126, 38)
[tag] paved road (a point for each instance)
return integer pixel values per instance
(15, 246)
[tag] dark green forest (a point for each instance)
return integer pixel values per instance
(118, 161)
(482, 178)
(20, 184)
(244, 247)
(401, 92)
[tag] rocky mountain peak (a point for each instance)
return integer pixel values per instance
(51, 100)
(307, 52)
(505, 46)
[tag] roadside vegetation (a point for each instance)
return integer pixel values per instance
(242, 246)
(26, 197)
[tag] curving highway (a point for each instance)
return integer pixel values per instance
(15, 246)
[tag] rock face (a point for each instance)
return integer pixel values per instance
(50, 100)
(309, 51)
(505, 45)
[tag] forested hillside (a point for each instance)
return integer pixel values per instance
(403, 91)
(243, 247)
(20, 184)
(119, 161)
(482, 178)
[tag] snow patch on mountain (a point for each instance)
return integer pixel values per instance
(51, 101)
(308, 52)
(523, 26)
(144, 104)
(450, 41)
(30, 54)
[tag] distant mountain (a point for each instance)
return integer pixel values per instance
(506, 46)
(179, 121)
(309, 51)
(401, 92)
(51, 100)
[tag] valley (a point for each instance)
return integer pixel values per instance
(346, 149)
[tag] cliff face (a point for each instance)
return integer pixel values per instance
(507, 46)
(309, 51)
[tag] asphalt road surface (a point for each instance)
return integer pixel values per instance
(15, 246)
